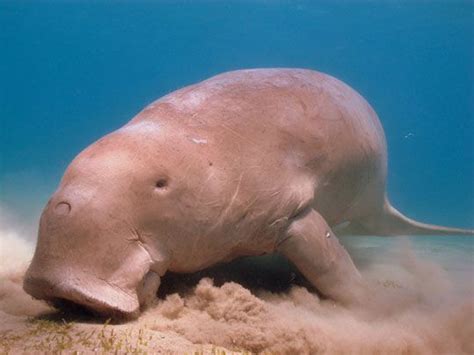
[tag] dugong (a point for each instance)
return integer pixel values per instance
(248, 162)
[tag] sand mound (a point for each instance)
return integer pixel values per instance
(299, 322)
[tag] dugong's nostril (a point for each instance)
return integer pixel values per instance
(62, 208)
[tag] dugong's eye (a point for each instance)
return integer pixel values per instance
(161, 183)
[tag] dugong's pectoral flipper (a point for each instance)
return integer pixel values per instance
(311, 245)
(148, 288)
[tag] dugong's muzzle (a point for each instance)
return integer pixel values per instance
(89, 259)
(94, 294)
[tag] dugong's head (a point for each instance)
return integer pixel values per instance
(102, 235)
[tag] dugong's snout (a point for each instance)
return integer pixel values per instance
(95, 295)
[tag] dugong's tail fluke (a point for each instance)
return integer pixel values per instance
(392, 222)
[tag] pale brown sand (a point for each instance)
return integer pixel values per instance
(415, 309)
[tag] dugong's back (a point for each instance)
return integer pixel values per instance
(284, 135)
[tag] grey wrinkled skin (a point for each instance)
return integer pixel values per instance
(245, 163)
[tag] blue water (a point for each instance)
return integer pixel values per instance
(71, 71)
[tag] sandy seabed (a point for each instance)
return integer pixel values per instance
(253, 306)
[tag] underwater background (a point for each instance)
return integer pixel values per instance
(72, 71)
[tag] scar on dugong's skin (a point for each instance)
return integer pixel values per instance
(245, 163)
